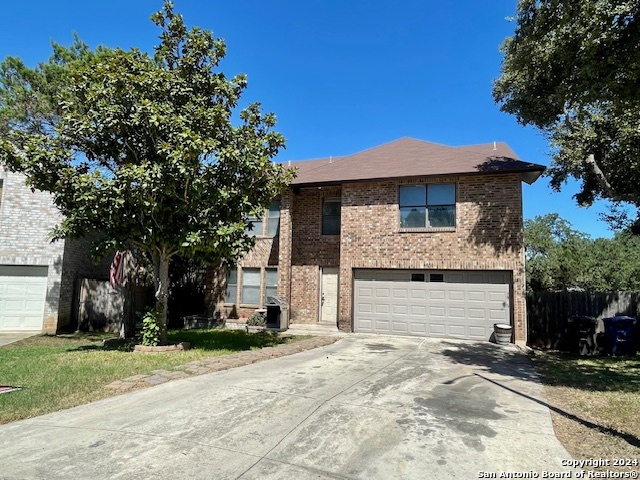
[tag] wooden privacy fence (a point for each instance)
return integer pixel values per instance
(548, 313)
(101, 308)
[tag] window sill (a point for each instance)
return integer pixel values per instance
(427, 230)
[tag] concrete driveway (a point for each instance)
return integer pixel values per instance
(367, 407)
(10, 337)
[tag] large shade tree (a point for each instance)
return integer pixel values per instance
(572, 69)
(144, 148)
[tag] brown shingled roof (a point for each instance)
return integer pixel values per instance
(408, 157)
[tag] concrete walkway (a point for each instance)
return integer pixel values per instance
(10, 337)
(217, 364)
(365, 407)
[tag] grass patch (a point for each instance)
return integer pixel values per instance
(595, 403)
(58, 372)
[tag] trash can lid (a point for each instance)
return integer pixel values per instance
(501, 325)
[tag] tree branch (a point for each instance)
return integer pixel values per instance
(609, 189)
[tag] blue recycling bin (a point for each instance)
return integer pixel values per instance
(620, 335)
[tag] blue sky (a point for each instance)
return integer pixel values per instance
(341, 76)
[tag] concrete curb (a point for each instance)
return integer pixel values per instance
(219, 363)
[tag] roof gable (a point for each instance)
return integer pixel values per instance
(408, 157)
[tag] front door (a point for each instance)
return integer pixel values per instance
(329, 296)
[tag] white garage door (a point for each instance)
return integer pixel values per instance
(23, 290)
(456, 304)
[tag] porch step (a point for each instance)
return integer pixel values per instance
(316, 329)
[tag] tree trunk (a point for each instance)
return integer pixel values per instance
(161, 261)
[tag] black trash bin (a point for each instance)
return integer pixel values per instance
(619, 333)
(273, 316)
(581, 334)
(277, 313)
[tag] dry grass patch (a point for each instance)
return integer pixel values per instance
(595, 404)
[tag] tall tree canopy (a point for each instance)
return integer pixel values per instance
(142, 148)
(559, 257)
(572, 70)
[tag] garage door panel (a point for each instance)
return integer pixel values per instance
(364, 308)
(435, 295)
(417, 294)
(382, 293)
(400, 327)
(382, 308)
(398, 293)
(498, 315)
(457, 331)
(381, 325)
(400, 310)
(365, 292)
(437, 329)
(467, 308)
(478, 333)
(476, 296)
(418, 328)
(496, 297)
(455, 296)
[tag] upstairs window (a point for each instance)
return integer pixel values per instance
(331, 216)
(273, 218)
(428, 206)
(255, 229)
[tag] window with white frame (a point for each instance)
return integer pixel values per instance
(250, 286)
(428, 206)
(232, 286)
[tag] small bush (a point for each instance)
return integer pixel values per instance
(257, 320)
(152, 329)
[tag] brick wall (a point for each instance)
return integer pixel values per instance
(26, 220)
(488, 235)
(310, 251)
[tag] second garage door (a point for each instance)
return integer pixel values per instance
(23, 291)
(454, 304)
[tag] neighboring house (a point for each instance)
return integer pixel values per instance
(408, 238)
(37, 276)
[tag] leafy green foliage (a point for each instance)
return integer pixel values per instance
(143, 149)
(257, 320)
(559, 257)
(571, 69)
(153, 330)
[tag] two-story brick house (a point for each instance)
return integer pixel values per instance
(37, 276)
(410, 238)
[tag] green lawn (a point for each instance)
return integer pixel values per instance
(68, 370)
